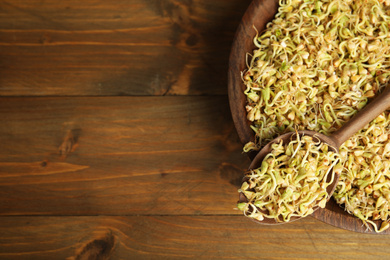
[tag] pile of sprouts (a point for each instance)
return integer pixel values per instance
(292, 180)
(314, 67)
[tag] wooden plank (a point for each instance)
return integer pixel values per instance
(118, 156)
(181, 237)
(137, 47)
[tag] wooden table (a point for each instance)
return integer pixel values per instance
(116, 140)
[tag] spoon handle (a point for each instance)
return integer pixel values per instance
(365, 116)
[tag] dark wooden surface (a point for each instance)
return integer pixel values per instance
(120, 47)
(116, 140)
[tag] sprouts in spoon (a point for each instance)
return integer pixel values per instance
(291, 181)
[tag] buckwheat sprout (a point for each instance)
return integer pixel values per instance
(291, 180)
(315, 66)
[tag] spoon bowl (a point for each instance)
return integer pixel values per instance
(286, 138)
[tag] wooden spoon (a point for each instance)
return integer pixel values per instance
(365, 116)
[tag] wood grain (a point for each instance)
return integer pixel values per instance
(180, 237)
(122, 47)
(118, 156)
(85, 174)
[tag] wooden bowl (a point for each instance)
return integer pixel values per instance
(258, 14)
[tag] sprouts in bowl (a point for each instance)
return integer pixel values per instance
(312, 68)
